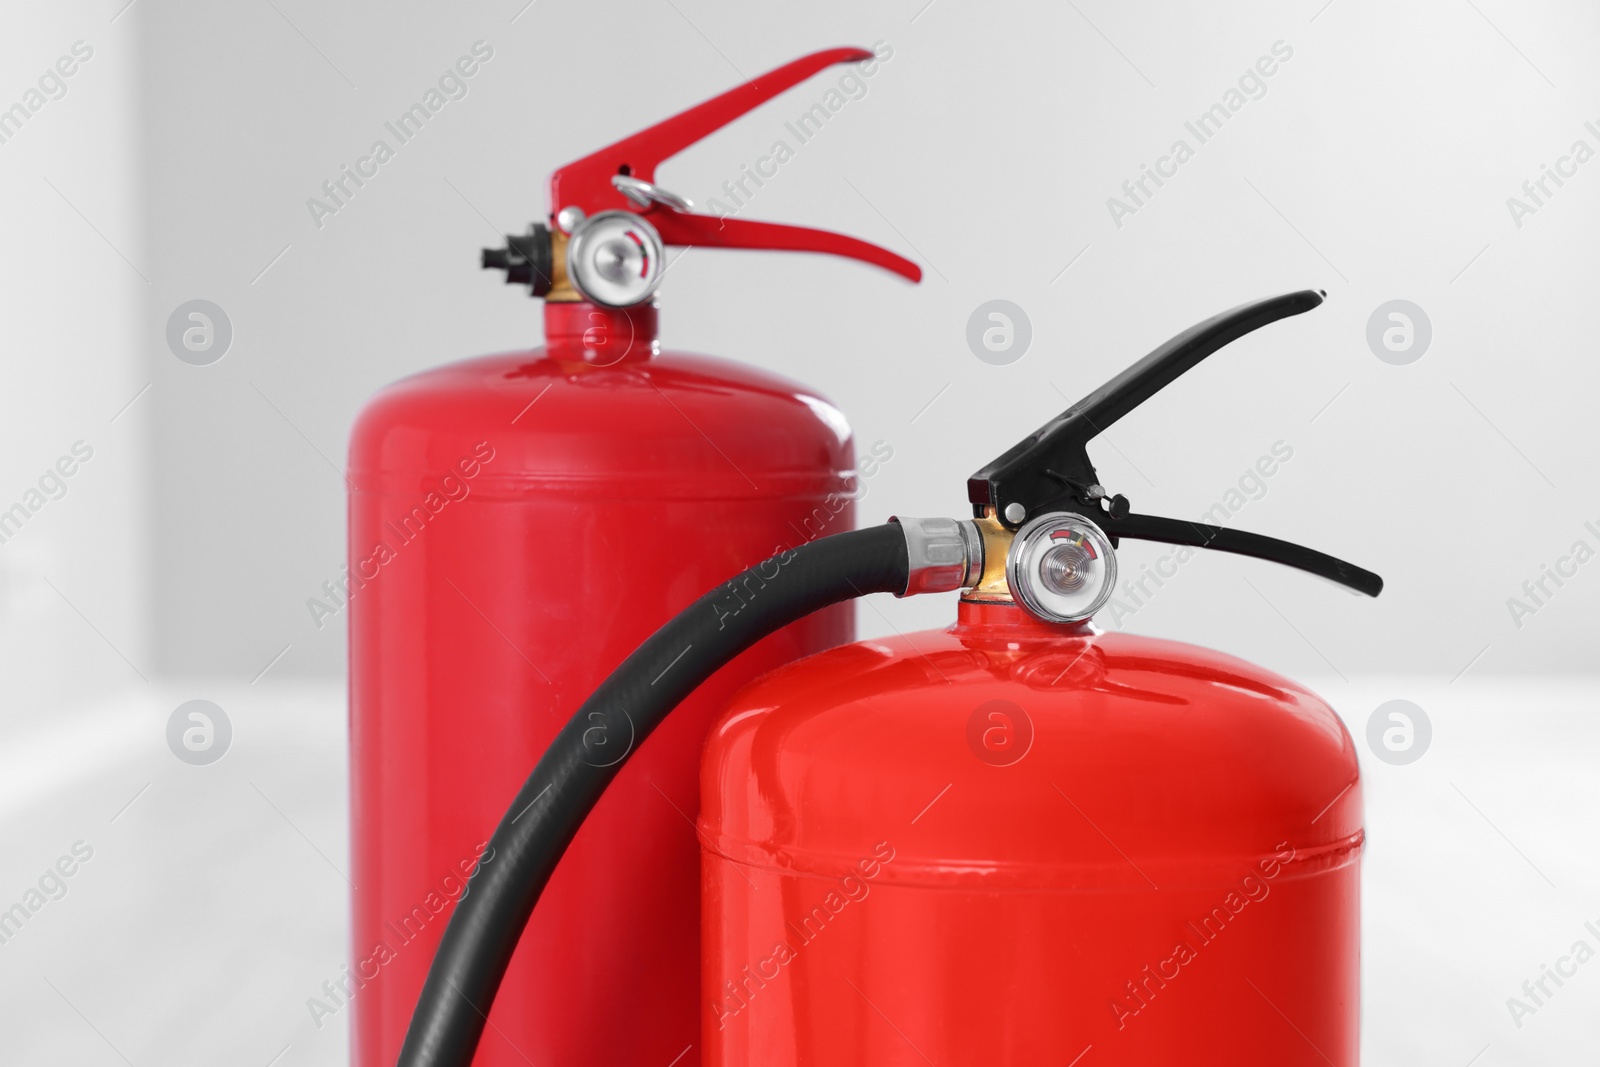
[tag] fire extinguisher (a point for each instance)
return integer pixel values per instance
(518, 524)
(1015, 841)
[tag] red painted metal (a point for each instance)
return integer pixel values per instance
(588, 333)
(586, 183)
(680, 229)
(518, 524)
(1009, 842)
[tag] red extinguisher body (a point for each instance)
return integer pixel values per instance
(518, 525)
(1017, 843)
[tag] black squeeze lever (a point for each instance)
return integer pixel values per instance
(1049, 470)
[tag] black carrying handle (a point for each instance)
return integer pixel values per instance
(1243, 543)
(1049, 470)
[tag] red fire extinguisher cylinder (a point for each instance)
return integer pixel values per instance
(519, 523)
(989, 843)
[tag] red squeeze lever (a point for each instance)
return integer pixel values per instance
(621, 178)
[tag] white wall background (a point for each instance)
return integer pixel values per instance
(1377, 165)
(74, 602)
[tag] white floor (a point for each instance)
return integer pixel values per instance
(214, 903)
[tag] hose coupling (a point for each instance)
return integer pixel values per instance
(944, 554)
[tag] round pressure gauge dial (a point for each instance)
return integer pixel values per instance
(1061, 567)
(615, 259)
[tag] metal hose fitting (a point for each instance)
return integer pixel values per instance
(944, 554)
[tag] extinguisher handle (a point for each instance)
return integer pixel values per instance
(586, 183)
(1243, 543)
(592, 185)
(681, 229)
(1049, 470)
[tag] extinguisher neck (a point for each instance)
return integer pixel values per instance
(993, 618)
(581, 332)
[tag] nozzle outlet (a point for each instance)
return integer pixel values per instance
(528, 259)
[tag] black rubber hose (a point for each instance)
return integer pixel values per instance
(575, 770)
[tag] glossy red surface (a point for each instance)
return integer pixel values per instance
(518, 525)
(1014, 844)
(582, 332)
